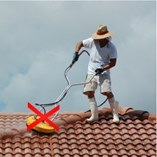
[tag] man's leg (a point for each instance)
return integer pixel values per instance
(93, 107)
(105, 89)
(89, 90)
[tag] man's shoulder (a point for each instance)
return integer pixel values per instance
(112, 45)
(88, 42)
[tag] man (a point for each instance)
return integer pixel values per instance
(103, 56)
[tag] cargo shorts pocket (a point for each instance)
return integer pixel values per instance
(105, 86)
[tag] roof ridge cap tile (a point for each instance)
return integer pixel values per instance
(124, 110)
(152, 116)
(138, 114)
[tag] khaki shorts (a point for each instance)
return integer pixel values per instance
(103, 81)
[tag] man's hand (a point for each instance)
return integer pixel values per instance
(99, 71)
(75, 57)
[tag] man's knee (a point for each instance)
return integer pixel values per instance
(108, 94)
(90, 94)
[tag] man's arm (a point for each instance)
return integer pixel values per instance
(111, 64)
(76, 55)
(78, 46)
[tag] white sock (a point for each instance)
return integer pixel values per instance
(91, 100)
(111, 100)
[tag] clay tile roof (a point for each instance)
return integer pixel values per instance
(135, 136)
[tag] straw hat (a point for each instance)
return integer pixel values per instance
(102, 32)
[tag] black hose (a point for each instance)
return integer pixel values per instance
(42, 108)
(98, 106)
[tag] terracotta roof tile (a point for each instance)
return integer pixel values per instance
(135, 135)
